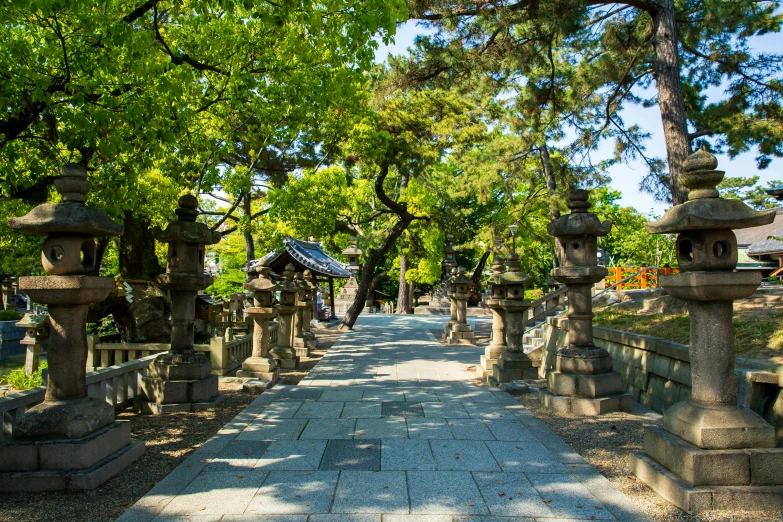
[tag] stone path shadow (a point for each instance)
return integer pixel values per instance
(386, 427)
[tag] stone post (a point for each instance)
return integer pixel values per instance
(283, 352)
(452, 305)
(36, 333)
(583, 382)
(307, 331)
(497, 291)
(302, 303)
(6, 291)
(461, 332)
(181, 379)
(259, 366)
(709, 442)
(70, 430)
(513, 364)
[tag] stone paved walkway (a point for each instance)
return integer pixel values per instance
(387, 427)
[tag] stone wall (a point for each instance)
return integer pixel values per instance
(656, 372)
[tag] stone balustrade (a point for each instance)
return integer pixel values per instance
(224, 356)
(118, 385)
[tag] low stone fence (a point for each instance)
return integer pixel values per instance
(225, 356)
(657, 373)
(118, 385)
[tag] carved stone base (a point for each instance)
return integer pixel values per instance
(459, 335)
(586, 405)
(152, 408)
(68, 464)
(512, 366)
(288, 364)
(718, 427)
(698, 499)
(258, 386)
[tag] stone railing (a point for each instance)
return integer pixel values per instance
(546, 306)
(118, 385)
(657, 372)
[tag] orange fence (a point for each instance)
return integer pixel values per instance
(646, 279)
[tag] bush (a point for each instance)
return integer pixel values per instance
(9, 315)
(21, 381)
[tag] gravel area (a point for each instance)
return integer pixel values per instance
(607, 441)
(170, 439)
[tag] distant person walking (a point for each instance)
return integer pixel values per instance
(319, 302)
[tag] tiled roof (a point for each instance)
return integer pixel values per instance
(310, 255)
(756, 239)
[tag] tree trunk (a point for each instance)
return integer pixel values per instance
(146, 319)
(476, 277)
(670, 98)
(404, 304)
(250, 248)
(373, 260)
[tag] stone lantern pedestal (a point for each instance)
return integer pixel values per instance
(514, 364)
(711, 453)
(283, 352)
(181, 379)
(461, 332)
(583, 381)
(259, 366)
(70, 441)
(497, 291)
(36, 334)
(307, 332)
(452, 305)
(300, 344)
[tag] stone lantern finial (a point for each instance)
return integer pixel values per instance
(710, 426)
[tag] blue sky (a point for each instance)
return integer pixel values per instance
(626, 178)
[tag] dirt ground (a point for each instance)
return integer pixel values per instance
(169, 439)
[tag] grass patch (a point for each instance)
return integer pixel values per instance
(755, 335)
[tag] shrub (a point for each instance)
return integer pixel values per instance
(9, 315)
(21, 381)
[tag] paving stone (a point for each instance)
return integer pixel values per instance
(401, 409)
(368, 492)
(420, 395)
(509, 430)
(486, 411)
(508, 519)
(341, 396)
(185, 518)
(361, 410)
(320, 410)
(389, 428)
(429, 429)
(345, 518)
(444, 410)
(525, 457)
(407, 455)
(511, 494)
(301, 393)
(352, 455)
(418, 518)
(329, 429)
(238, 454)
(569, 498)
(273, 429)
(292, 455)
(463, 455)
(281, 410)
(469, 429)
(264, 518)
(287, 492)
(384, 396)
(217, 493)
(445, 492)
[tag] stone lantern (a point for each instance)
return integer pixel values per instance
(7, 291)
(36, 328)
(69, 432)
(283, 352)
(259, 365)
(461, 332)
(711, 453)
(513, 364)
(353, 254)
(348, 292)
(452, 304)
(181, 379)
(310, 296)
(302, 303)
(497, 292)
(584, 381)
